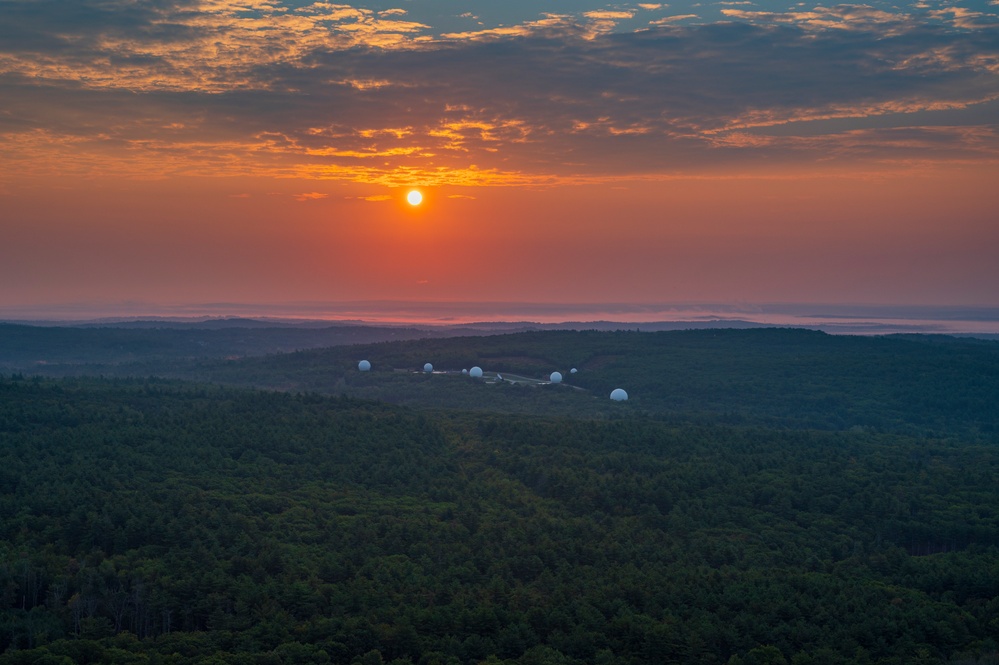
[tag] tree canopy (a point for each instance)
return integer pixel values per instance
(168, 521)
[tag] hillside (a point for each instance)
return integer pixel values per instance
(152, 521)
(765, 496)
(79, 349)
(773, 377)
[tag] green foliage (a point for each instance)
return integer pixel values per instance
(771, 377)
(163, 522)
(70, 349)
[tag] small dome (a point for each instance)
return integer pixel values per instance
(573, 370)
(464, 371)
(475, 372)
(364, 366)
(556, 377)
(428, 368)
(618, 395)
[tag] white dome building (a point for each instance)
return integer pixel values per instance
(619, 395)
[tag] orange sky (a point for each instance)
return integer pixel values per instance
(762, 154)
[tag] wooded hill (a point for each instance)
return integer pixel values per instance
(65, 349)
(831, 500)
(774, 377)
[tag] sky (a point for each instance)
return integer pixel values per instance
(157, 155)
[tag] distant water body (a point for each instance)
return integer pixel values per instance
(833, 318)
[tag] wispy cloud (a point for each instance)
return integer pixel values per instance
(841, 17)
(338, 91)
(673, 19)
(310, 196)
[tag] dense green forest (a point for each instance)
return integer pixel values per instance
(75, 349)
(764, 497)
(769, 377)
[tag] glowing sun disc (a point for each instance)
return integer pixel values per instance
(414, 197)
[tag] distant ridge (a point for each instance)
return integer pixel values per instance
(841, 326)
(208, 323)
(842, 318)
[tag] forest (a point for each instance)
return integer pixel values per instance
(764, 496)
(44, 348)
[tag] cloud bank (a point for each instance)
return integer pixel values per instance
(367, 94)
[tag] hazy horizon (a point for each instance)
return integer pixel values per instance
(832, 317)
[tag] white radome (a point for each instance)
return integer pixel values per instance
(364, 366)
(618, 395)
(428, 368)
(556, 377)
(464, 371)
(573, 370)
(475, 372)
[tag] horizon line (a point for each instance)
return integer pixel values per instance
(844, 317)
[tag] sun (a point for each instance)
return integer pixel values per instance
(414, 198)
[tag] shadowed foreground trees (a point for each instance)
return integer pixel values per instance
(163, 522)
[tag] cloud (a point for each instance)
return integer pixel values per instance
(207, 45)
(962, 17)
(335, 91)
(608, 15)
(840, 17)
(902, 145)
(673, 19)
(310, 196)
(605, 21)
(526, 29)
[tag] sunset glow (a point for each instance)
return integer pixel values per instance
(733, 153)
